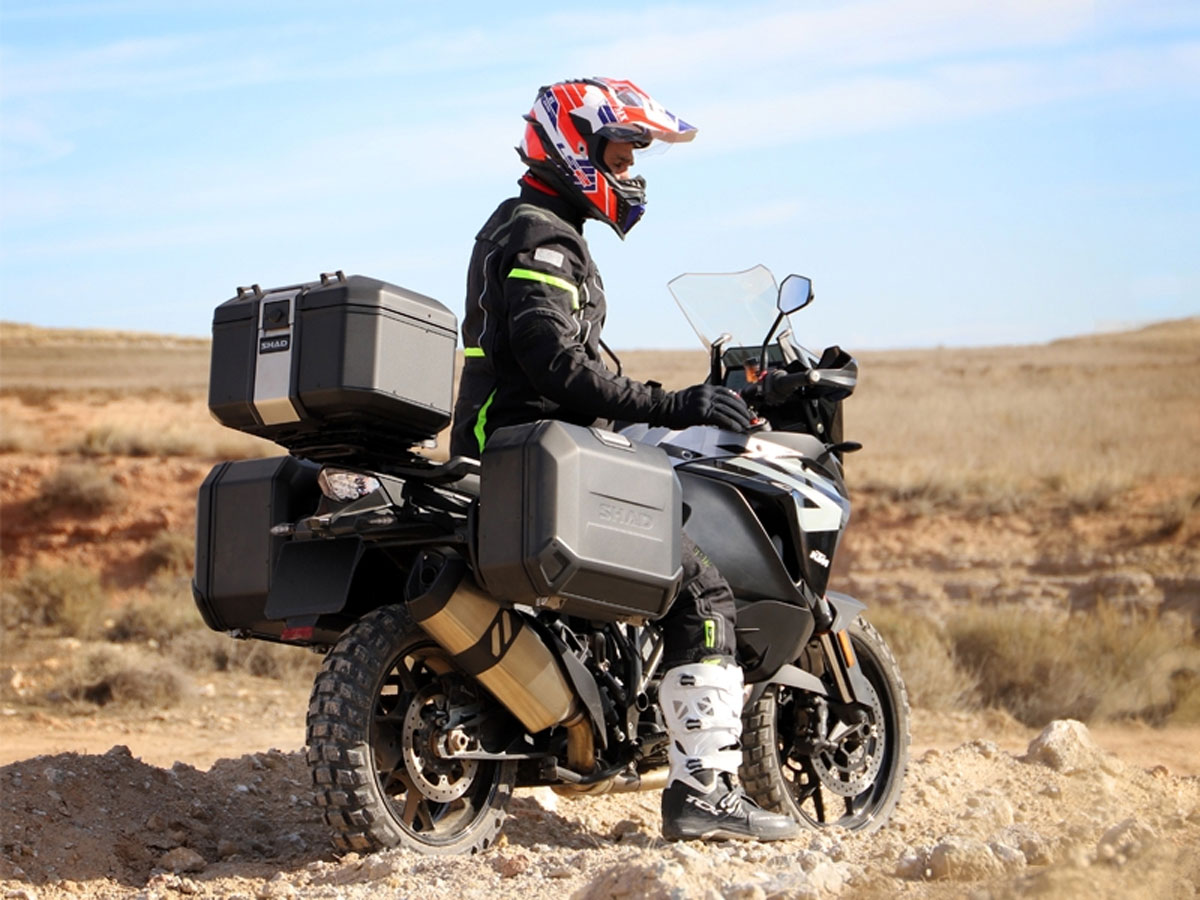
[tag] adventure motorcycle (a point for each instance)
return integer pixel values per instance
(490, 625)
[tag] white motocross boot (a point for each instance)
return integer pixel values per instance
(702, 705)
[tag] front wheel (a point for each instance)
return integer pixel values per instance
(802, 759)
(381, 751)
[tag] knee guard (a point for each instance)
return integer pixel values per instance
(702, 706)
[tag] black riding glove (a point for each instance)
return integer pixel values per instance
(703, 404)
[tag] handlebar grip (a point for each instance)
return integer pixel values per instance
(776, 387)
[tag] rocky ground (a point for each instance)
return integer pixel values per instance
(1064, 818)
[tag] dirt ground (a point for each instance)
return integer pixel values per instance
(102, 810)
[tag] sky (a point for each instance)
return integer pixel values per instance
(948, 172)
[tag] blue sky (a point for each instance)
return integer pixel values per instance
(948, 172)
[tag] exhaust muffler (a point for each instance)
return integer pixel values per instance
(496, 646)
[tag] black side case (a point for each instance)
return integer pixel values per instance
(579, 519)
(346, 368)
(237, 505)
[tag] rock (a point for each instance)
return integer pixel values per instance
(511, 866)
(962, 859)
(624, 828)
(913, 864)
(276, 890)
(993, 811)
(226, 848)
(1033, 846)
(1066, 746)
(828, 878)
(182, 859)
(1010, 858)
(746, 891)
(665, 880)
(1124, 841)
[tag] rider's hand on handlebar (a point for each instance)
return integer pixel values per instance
(704, 404)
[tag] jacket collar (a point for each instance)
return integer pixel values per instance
(538, 193)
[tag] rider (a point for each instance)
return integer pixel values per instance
(535, 308)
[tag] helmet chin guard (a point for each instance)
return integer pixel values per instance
(566, 132)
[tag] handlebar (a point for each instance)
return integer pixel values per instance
(776, 387)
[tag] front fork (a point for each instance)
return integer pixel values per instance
(834, 614)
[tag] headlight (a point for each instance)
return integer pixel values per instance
(343, 485)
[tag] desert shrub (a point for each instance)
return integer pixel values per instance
(1103, 664)
(209, 651)
(78, 489)
(1173, 515)
(170, 552)
(931, 673)
(110, 676)
(115, 440)
(189, 438)
(155, 616)
(69, 599)
(18, 437)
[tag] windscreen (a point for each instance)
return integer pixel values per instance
(740, 304)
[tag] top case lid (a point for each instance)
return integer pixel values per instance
(356, 290)
(359, 290)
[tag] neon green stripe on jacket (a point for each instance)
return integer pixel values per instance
(481, 420)
(470, 352)
(552, 280)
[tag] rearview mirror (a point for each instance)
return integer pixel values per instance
(795, 293)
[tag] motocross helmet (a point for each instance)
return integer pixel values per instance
(567, 130)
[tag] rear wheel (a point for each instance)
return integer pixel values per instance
(381, 745)
(801, 758)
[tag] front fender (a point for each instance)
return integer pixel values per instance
(789, 676)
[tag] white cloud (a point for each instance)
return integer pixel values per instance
(877, 102)
(679, 43)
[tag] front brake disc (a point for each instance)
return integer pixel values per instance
(850, 767)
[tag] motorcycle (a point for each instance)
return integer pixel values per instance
(443, 687)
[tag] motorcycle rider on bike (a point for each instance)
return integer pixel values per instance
(534, 311)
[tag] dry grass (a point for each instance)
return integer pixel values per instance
(170, 552)
(42, 363)
(120, 676)
(19, 437)
(207, 651)
(68, 599)
(78, 489)
(1082, 419)
(1102, 665)
(157, 614)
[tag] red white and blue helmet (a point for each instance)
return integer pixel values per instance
(568, 128)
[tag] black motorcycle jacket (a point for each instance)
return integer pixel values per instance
(535, 308)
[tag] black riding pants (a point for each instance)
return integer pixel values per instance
(699, 624)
